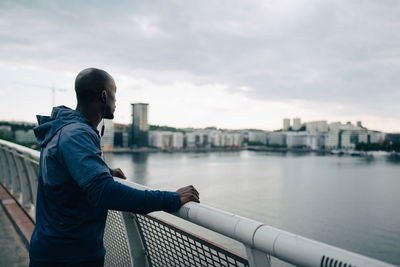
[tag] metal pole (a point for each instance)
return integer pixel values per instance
(257, 258)
(136, 243)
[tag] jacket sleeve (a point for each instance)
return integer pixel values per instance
(79, 152)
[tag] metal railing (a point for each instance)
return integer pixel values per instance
(143, 240)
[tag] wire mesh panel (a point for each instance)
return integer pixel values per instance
(115, 241)
(168, 245)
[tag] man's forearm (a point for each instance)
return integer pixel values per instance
(117, 196)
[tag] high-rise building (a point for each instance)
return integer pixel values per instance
(296, 124)
(140, 125)
(286, 124)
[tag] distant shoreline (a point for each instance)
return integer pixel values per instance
(183, 150)
(352, 153)
(215, 149)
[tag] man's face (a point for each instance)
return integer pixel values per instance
(110, 105)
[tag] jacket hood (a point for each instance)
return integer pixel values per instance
(49, 126)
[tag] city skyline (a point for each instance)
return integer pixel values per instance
(295, 125)
(246, 66)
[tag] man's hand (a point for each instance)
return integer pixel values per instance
(118, 173)
(188, 193)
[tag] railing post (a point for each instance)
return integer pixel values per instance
(7, 172)
(32, 176)
(3, 166)
(257, 258)
(16, 182)
(23, 180)
(136, 243)
(15, 186)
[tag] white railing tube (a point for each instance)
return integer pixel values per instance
(33, 153)
(302, 251)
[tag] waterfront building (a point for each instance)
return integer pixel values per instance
(332, 140)
(166, 139)
(155, 139)
(296, 139)
(125, 139)
(190, 140)
(120, 127)
(227, 140)
(198, 138)
(236, 139)
(140, 125)
(376, 137)
(212, 138)
(231, 139)
(276, 139)
(392, 138)
(286, 124)
(177, 140)
(216, 138)
(107, 140)
(5, 131)
(257, 137)
(121, 135)
(345, 136)
(296, 124)
(350, 135)
(334, 126)
(118, 139)
(27, 137)
(317, 126)
(316, 141)
(194, 139)
(305, 140)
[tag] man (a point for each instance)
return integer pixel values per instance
(76, 187)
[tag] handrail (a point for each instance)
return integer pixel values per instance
(33, 153)
(258, 238)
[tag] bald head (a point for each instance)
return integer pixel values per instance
(90, 83)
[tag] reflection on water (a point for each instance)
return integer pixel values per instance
(349, 202)
(139, 161)
(134, 165)
(394, 158)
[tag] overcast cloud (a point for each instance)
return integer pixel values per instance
(334, 60)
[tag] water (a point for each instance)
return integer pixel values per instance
(349, 202)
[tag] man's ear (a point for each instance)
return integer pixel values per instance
(104, 97)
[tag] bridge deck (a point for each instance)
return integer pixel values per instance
(13, 251)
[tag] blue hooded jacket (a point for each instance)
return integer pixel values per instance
(76, 189)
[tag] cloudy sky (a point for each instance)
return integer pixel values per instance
(227, 63)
